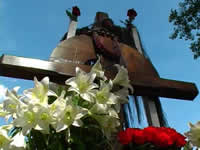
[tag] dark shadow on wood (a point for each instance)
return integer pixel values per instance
(144, 85)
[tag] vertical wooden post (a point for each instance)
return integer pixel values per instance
(149, 103)
(72, 29)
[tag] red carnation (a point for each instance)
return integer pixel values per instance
(161, 137)
(125, 137)
(163, 140)
(131, 13)
(150, 133)
(76, 11)
(180, 141)
(138, 136)
(158, 136)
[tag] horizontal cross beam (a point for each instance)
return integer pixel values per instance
(144, 85)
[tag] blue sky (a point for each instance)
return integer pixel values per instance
(33, 29)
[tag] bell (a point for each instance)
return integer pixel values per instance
(78, 49)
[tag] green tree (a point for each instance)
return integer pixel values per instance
(186, 21)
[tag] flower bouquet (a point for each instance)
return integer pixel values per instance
(82, 115)
(152, 138)
(193, 136)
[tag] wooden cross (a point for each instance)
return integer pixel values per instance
(27, 68)
(144, 85)
(141, 73)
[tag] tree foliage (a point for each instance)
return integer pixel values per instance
(186, 21)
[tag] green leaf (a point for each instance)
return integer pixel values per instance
(76, 99)
(14, 131)
(51, 99)
(187, 146)
(69, 14)
(37, 140)
(186, 23)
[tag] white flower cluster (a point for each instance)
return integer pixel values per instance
(194, 134)
(95, 97)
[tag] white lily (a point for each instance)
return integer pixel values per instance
(70, 115)
(4, 113)
(39, 94)
(122, 98)
(58, 106)
(44, 119)
(18, 142)
(103, 109)
(99, 109)
(122, 77)
(194, 134)
(108, 124)
(104, 95)
(33, 117)
(113, 113)
(26, 119)
(83, 84)
(5, 140)
(12, 102)
(122, 95)
(106, 116)
(111, 126)
(97, 68)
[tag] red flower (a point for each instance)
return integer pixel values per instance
(158, 136)
(150, 133)
(163, 140)
(131, 13)
(161, 137)
(76, 11)
(125, 137)
(180, 141)
(138, 136)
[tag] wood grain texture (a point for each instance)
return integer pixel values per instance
(78, 48)
(144, 84)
